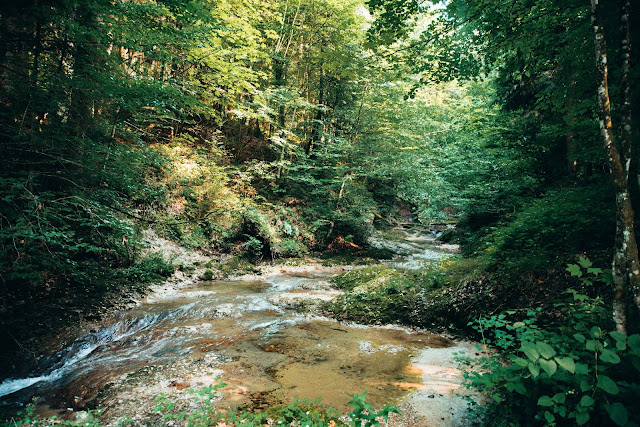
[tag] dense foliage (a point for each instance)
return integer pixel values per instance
(269, 129)
(573, 372)
(308, 413)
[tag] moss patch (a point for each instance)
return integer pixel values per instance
(375, 294)
(237, 266)
(377, 278)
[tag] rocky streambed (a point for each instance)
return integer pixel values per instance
(263, 337)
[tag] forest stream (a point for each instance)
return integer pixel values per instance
(259, 336)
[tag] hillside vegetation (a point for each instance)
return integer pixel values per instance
(256, 130)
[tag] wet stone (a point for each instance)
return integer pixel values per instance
(259, 336)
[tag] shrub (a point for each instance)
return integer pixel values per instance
(309, 413)
(148, 269)
(550, 230)
(573, 372)
(289, 248)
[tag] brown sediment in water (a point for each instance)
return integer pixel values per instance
(246, 333)
(326, 360)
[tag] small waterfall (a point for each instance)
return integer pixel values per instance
(71, 358)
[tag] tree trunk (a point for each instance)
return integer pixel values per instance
(627, 132)
(626, 271)
(280, 81)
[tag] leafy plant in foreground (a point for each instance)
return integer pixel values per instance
(301, 412)
(578, 372)
(363, 412)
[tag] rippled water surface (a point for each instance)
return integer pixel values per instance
(247, 332)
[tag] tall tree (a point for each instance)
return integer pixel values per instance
(538, 53)
(626, 269)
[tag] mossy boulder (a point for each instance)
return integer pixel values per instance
(375, 294)
(378, 278)
(237, 266)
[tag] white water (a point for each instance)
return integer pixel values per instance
(416, 249)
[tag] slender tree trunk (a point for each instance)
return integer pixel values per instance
(626, 270)
(318, 126)
(36, 51)
(279, 69)
(626, 86)
(627, 131)
(572, 164)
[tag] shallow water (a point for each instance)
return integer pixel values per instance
(413, 249)
(247, 333)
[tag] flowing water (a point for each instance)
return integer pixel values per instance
(413, 248)
(257, 335)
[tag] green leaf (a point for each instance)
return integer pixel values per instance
(595, 271)
(582, 418)
(520, 388)
(587, 401)
(596, 332)
(545, 401)
(582, 368)
(562, 410)
(634, 343)
(530, 351)
(618, 413)
(534, 369)
(496, 397)
(549, 366)
(585, 262)
(618, 336)
(607, 384)
(621, 346)
(549, 417)
(559, 398)
(580, 337)
(545, 350)
(609, 357)
(566, 363)
(574, 270)
(520, 362)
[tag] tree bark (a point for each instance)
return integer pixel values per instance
(626, 270)
(627, 129)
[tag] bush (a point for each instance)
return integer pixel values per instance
(309, 413)
(290, 248)
(253, 248)
(573, 372)
(151, 268)
(552, 229)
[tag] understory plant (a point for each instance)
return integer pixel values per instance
(575, 370)
(301, 412)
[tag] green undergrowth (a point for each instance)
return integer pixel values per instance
(331, 259)
(543, 233)
(150, 268)
(573, 368)
(238, 265)
(442, 296)
(299, 413)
